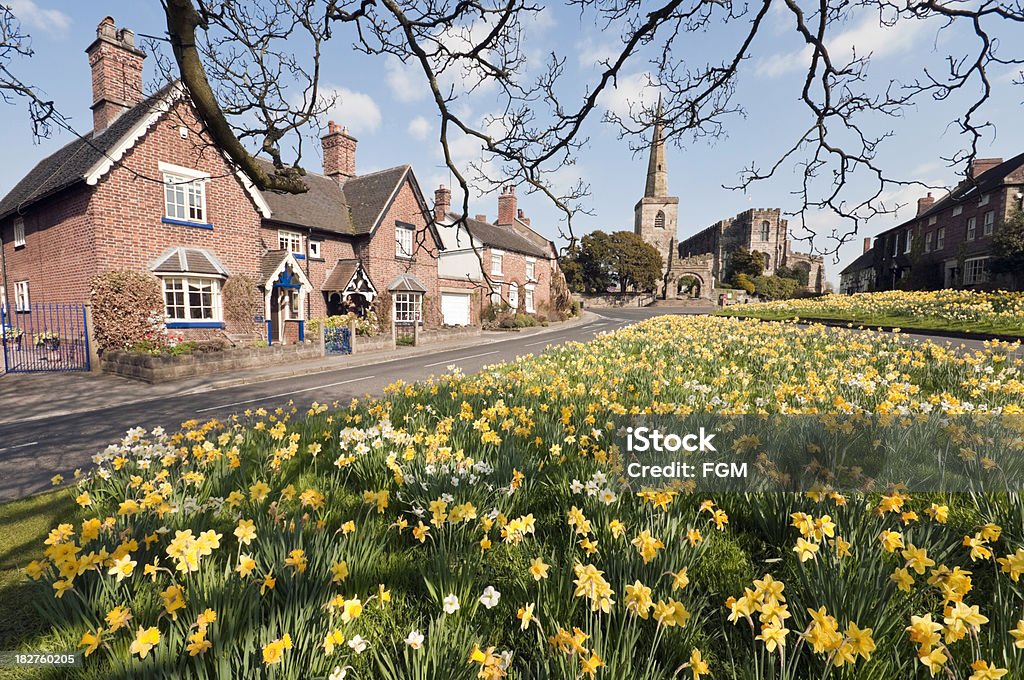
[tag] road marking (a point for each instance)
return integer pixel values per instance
(452, 361)
(283, 394)
(18, 446)
(531, 344)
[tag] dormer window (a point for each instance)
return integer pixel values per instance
(19, 232)
(984, 199)
(184, 194)
(290, 241)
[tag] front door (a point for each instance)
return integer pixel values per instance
(276, 316)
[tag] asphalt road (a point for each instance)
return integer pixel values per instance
(32, 452)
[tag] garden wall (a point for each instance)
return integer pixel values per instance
(437, 335)
(161, 368)
(617, 300)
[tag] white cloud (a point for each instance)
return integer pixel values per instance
(419, 128)
(51, 21)
(355, 110)
(403, 81)
(867, 37)
(592, 52)
(630, 92)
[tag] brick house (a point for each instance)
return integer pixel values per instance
(859, 275)
(521, 265)
(145, 190)
(948, 242)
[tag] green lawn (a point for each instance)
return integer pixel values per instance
(1009, 328)
(26, 524)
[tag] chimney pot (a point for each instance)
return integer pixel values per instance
(507, 205)
(923, 204)
(116, 73)
(339, 149)
(442, 202)
(480, 217)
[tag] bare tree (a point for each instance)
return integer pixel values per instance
(16, 45)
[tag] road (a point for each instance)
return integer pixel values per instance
(31, 453)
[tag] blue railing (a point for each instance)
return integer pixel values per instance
(338, 340)
(45, 337)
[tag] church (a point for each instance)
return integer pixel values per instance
(695, 267)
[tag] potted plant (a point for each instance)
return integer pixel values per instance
(48, 339)
(13, 335)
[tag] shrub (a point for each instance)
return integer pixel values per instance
(365, 326)
(745, 283)
(775, 287)
(242, 302)
(127, 307)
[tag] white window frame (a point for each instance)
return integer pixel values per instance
(408, 308)
(290, 240)
(316, 249)
(529, 301)
(403, 242)
(531, 269)
(497, 260)
(988, 222)
(940, 238)
(984, 199)
(957, 210)
(19, 232)
(188, 314)
(928, 241)
(974, 270)
(932, 220)
(910, 240)
(495, 293)
(972, 228)
(190, 182)
(513, 296)
(22, 297)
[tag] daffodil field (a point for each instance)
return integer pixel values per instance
(475, 526)
(1000, 312)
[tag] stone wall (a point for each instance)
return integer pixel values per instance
(616, 300)
(434, 336)
(153, 369)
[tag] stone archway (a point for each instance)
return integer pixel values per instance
(686, 285)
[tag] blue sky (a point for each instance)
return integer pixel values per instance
(387, 109)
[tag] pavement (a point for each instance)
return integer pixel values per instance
(54, 423)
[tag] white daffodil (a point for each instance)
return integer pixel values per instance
(450, 604)
(490, 597)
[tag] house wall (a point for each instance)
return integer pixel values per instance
(333, 247)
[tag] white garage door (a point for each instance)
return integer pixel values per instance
(455, 309)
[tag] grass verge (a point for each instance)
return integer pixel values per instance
(894, 320)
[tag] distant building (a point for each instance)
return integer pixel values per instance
(859, 275)
(948, 243)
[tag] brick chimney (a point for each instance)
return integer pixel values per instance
(867, 244)
(506, 205)
(923, 204)
(442, 202)
(480, 217)
(339, 149)
(980, 165)
(521, 216)
(116, 73)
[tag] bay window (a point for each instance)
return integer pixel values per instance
(408, 308)
(189, 299)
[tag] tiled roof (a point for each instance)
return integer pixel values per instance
(865, 261)
(340, 276)
(188, 260)
(406, 283)
(501, 238)
(368, 195)
(270, 262)
(67, 166)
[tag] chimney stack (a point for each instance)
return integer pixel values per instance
(339, 149)
(867, 244)
(442, 202)
(980, 165)
(506, 206)
(480, 217)
(923, 204)
(116, 73)
(521, 216)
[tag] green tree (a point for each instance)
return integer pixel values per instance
(774, 287)
(622, 258)
(742, 261)
(1008, 250)
(798, 274)
(569, 264)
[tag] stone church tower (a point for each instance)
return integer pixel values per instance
(656, 214)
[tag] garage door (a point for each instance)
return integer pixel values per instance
(455, 309)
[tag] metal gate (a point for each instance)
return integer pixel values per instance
(338, 340)
(45, 337)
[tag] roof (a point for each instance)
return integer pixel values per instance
(271, 262)
(188, 260)
(340, 276)
(501, 238)
(68, 165)
(368, 196)
(865, 261)
(406, 283)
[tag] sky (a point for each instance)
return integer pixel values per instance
(386, 106)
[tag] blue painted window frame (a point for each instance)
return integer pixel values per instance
(186, 223)
(194, 324)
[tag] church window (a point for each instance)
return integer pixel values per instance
(766, 229)
(659, 220)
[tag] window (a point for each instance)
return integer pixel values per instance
(984, 199)
(316, 250)
(928, 242)
(191, 299)
(972, 227)
(19, 232)
(531, 269)
(989, 222)
(408, 307)
(3, 299)
(974, 270)
(403, 242)
(495, 293)
(22, 303)
(513, 296)
(895, 245)
(957, 210)
(766, 230)
(528, 294)
(184, 198)
(940, 238)
(496, 262)
(290, 241)
(933, 219)
(910, 238)
(659, 220)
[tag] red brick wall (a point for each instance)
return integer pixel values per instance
(513, 269)
(382, 265)
(333, 248)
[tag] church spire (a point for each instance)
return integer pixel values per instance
(657, 172)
